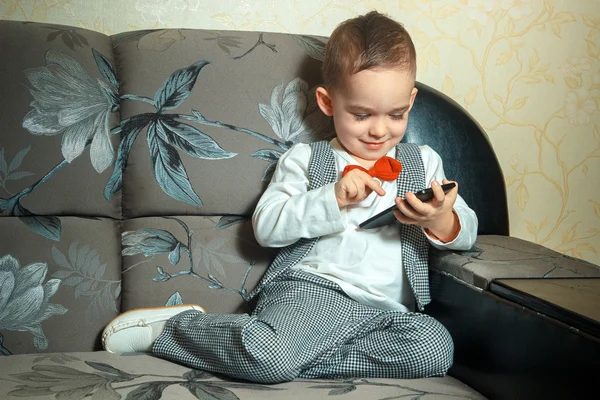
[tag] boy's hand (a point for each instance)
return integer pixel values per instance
(435, 214)
(356, 186)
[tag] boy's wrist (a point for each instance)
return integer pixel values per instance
(446, 230)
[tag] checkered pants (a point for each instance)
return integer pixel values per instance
(305, 327)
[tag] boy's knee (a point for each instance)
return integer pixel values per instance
(439, 349)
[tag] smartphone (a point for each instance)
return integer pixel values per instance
(387, 217)
(427, 194)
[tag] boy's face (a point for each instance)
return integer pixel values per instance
(370, 111)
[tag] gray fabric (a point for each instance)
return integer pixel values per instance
(223, 264)
(495, 257)
(103, 375)
(187, 113)
(58, 296)
(305, 327)
(251, 101)
(44, 74)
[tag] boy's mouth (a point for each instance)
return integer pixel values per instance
(374, 145)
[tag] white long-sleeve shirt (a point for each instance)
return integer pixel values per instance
(365, 263)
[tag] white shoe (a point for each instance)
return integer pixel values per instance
(136, 330)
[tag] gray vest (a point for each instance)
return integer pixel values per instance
(321, 171)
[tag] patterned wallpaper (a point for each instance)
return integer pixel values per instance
(527, 70)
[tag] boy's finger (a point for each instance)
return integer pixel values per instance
(351, 189)
(400, 217)
(413, 203)
(374, 185)
(361, 192)
(406, 208)
(451, 195)
(438, 194)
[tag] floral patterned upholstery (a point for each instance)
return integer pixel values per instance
(129, 167)
(107, 376)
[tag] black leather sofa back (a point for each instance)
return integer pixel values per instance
(440, 122)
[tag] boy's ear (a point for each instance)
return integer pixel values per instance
(413, 94)
(324, 101)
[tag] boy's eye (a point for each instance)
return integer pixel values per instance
(362, 117)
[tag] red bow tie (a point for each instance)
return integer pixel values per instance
(386, 168)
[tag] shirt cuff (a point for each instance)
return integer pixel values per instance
(332, 210)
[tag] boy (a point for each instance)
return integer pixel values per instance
(337, 301)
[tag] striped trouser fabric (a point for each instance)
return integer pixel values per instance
(304, 326)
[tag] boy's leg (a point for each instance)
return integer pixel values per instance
(296, 321)
(390, 344)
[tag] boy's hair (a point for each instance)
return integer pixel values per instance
(368, 41)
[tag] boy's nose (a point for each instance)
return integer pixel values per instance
(378, 129)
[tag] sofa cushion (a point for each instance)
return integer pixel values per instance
(58, 296)
(53, 98)
(217, 109)
(110, 376)
(211, 261)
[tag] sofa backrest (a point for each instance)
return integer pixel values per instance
(130, 165)
(468, 156)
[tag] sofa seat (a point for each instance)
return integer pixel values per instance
(102, 375)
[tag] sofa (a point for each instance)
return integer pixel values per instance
(129, 169)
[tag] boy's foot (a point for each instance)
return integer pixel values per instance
(136, 330)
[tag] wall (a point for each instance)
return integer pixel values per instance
(527, 70)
